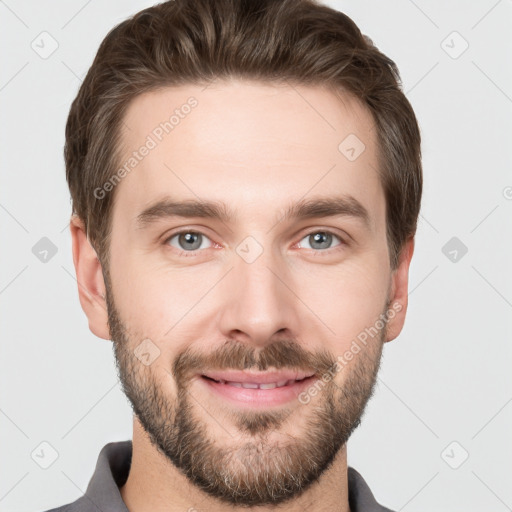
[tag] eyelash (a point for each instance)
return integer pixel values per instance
(197, 251)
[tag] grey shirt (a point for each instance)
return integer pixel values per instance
(113, 466)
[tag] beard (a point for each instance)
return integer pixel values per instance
(251, 470)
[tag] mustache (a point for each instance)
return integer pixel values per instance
(234, 355)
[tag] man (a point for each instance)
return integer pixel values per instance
(246, 180)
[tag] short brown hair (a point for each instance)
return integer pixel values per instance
(198, 41)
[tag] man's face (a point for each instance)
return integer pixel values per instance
(258, 292)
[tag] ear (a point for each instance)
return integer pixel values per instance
(89, 276)
(399, 292)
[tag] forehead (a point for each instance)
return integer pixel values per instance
(253, 146)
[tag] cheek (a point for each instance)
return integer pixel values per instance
(159, 303)
(347, 298)
(339, 300)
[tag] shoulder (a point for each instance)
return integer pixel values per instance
(82, 504)
(360, 496)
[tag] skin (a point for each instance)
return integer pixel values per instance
(259, 148)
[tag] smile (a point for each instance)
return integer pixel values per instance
(255, 385)
(251, 391)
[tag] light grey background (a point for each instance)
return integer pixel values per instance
(446, 378)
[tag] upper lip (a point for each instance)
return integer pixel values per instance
(257, 377)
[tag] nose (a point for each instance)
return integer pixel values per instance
(258, 301)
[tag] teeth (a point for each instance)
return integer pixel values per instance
(270, 385)
(250, 385)
(254, 385)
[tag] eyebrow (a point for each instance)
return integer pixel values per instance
(345, 205)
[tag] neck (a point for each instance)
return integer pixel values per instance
(154, 484)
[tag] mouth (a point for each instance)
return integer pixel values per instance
(257, 389)
(256, 385)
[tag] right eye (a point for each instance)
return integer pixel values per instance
(188, 241)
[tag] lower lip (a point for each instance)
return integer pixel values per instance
(258, 397)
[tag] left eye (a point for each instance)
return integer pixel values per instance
(321, 240)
